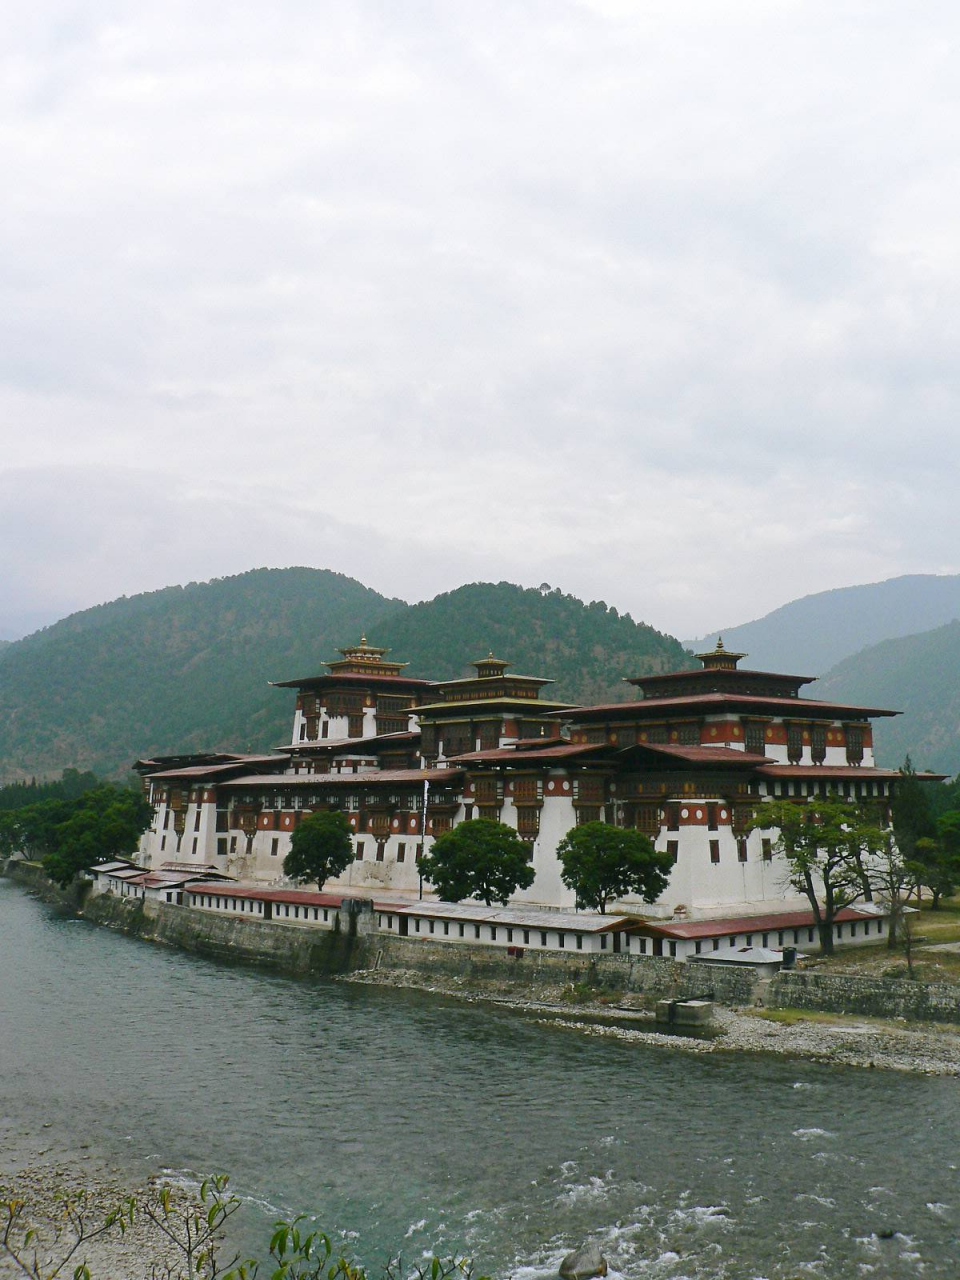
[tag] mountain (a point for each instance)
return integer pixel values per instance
(181, 669)
(187, 668)
(914, 674)
(810, 635)
(587, 649)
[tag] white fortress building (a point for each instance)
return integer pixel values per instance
(686, 761)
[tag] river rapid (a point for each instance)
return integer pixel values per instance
(403, 1121)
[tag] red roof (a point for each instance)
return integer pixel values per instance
(560, 751)
(352, 677)
(198, 771)
(722, 756)
(298, 897)
(827, 771)
(384, 777)
(747, 924)
(652, 707)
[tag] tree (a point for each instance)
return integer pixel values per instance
(913, 818)
(320, 848)
(829, 847)
(601, 862)
(936, 859)
(478, 859)
(100, 825)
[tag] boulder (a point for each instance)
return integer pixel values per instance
(583, 1263)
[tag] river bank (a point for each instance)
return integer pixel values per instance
(832, 1039)
(849, 1020)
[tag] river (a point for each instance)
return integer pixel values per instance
(404, 1121)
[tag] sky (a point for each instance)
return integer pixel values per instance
(652, 300)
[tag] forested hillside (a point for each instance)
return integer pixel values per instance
(918, 676)
(187, 668)
(588, 649)
(810, 635)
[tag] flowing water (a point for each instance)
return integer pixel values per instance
(407, 1122)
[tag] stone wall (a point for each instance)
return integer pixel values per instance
(296, 950)
(302, 950)
(872, 997)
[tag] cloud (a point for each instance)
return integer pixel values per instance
(658, 303)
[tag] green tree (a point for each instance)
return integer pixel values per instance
(102, 824)
(913, 819)
(320, 848)
(829, 847)
(601, 862)
(478, 859)
(936, 859)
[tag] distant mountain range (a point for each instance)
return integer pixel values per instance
(810, 635)
(187, 668)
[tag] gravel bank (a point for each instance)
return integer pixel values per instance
(854, 1042)
(132, 1255)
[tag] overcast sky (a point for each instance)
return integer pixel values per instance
(653, 300)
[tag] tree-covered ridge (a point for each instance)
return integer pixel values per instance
(918, 676)
(587, 649)
(188, 668)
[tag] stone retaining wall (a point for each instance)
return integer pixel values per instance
(301, 950)
(872, 997)
(536, 970)
(277, 946)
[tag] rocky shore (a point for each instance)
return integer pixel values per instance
(832, 1039)
(140, 1252)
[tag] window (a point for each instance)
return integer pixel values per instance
(561, 940)
(431, 926)
(166, 820)
(673, 849)
(766, 846)
(493, 933)
(673, 950)
(401, 852)
(196, 820)
(741, 848)
(543, 939)
(193, 851)
(766, 939)
(233, 844)
(416, 926)
(461, 930)
(274, 846)
(809, 935)
(446, 928)
(359, 856)
(714, 850)
(580, 941)
(222, 847)
(381, 845)
(476, 930)
(526, 937)
(716, 944)
(509, 935)
(419, 853)
(643, 946)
